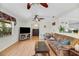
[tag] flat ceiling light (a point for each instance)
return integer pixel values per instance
(36, 25)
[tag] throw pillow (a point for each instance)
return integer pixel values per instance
(51, 39)
(65, 42)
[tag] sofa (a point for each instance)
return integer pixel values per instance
(60, 44)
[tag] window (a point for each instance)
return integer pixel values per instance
(5, 28)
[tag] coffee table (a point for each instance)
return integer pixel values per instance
(41, 47)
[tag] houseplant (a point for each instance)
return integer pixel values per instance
(61, 29)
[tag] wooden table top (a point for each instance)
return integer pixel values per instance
(41, 46)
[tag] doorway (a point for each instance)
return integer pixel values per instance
(35, 32)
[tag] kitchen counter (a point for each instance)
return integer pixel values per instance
(74, 35)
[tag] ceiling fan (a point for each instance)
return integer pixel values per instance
(42, 4)
(37, 18)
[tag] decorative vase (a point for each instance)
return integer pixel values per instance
(77, 47)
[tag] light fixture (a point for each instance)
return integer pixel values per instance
(36, 25)
(42, 4)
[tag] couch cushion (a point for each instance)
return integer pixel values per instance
(65, 42)
(51, 39)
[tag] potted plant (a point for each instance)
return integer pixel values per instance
(61, 29)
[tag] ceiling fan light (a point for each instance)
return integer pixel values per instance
(36, 25)
(44, 5)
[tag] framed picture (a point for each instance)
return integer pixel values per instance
(5, 28)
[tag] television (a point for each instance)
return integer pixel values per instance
(24, 30)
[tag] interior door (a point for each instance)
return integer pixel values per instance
(35, 32)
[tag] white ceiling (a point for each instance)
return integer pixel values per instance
(54, 9)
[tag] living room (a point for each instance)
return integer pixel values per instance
(48, 22)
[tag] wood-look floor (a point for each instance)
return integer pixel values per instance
(23, 48)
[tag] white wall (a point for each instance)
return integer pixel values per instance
(7, 41)
(49, 28)
(72, 18)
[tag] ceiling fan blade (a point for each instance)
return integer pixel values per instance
(41, 18)
(36, 16)
(28, 5)
(44, 5)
